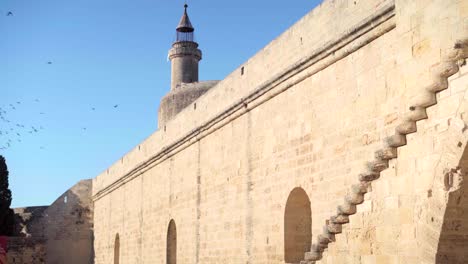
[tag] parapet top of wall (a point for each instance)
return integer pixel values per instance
(327, 22)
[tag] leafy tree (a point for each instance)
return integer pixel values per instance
(6, 213)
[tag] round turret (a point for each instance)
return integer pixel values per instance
(185, 87)
(184, 54)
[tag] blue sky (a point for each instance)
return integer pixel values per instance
(104, 53)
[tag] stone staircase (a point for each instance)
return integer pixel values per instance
(417, 111)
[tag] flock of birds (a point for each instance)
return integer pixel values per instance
(13, 132)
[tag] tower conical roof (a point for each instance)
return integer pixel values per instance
(185, 25)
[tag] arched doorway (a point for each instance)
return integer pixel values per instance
(117, 249)
(297, 226)
(171, 250)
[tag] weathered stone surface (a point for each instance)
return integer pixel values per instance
(307, 111)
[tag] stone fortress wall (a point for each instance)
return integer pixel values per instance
(255, 172)
(56, 234)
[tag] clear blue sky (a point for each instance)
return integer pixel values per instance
(105, 53)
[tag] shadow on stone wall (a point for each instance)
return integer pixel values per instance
(55, 234)
(69, 227)
(453, 241)
(27, 245)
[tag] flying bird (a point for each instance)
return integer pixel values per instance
(37, 100)
(9, 13)
(49, 62)
(115, 106)
(93, 108)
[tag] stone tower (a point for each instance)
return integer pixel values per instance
(185, 87)
(184, 54)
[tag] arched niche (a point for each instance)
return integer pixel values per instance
(171, 249)
(297, 226)
(117, 249)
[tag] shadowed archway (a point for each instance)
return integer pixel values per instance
(297, 226)
(171, 250)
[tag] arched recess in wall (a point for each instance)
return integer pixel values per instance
(297, 226)
(117, 249)
(171, 249)
(453, 240)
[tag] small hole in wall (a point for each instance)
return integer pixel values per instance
(242, 71)
(301, 40)
(432, 219)
(460, 144)
(412, 108)
(164, 128)
(65, 199)
(195, 106)
(429, 193)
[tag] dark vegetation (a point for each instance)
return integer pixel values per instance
(6, 213)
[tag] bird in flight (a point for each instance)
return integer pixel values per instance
(115, 106)
(93, 108)
(9, 13)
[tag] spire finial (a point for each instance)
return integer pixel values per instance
(184, 24)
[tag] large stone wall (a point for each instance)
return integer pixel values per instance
(56, 234)
(308, 112)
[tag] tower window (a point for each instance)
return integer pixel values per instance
(242, 70)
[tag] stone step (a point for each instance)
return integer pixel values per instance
(440, 73)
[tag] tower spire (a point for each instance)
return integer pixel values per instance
(185, 87)
(184, 54)
(184, 28)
